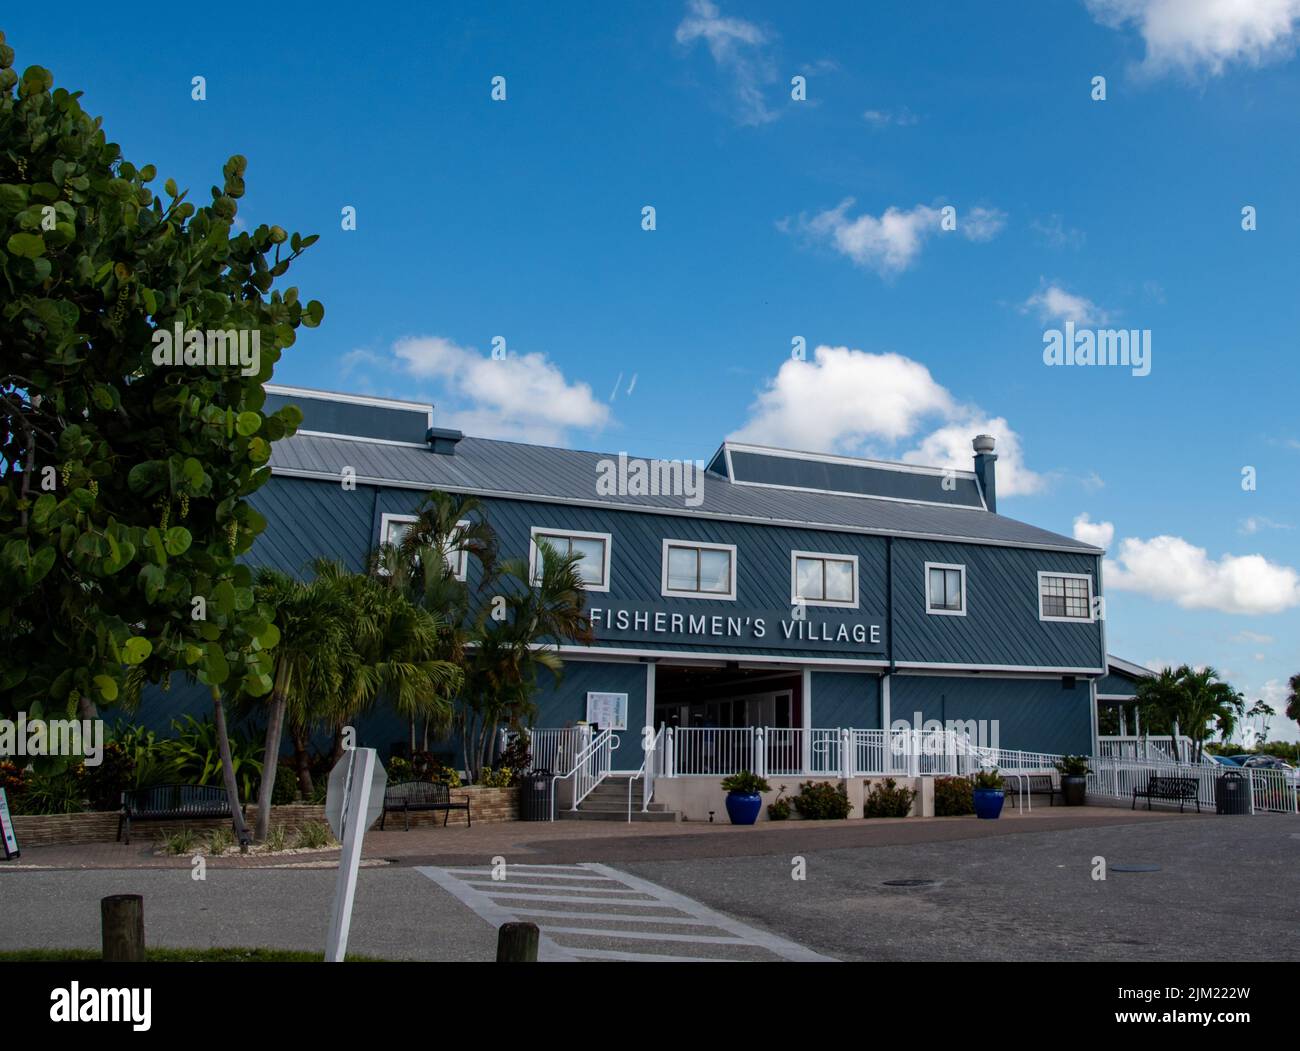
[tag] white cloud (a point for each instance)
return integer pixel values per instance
(1098, 534)
(891, 242)
(879, 118)
(949, 446)
(1054, 231)
(1205, 36)
(1253, 636)
(521, 396)
(1255, 523)
(1054, 303)
(843, 399)
(738, 50)
(1170, 569)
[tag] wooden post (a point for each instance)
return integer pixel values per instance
(517, 943)
(122, 922)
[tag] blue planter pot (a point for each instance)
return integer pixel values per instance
(743, 809)
(988, 802)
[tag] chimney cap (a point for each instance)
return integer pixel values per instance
(983, 443)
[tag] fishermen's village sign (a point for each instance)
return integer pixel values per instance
(799, 628)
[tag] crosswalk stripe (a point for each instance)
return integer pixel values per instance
(502, 901)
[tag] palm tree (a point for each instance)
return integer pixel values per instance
(1293, 699)
(398, 653)
(313, 644)
(1185, 701)
(517, 636)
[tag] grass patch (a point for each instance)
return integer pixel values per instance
(216, 955)
(315, 835)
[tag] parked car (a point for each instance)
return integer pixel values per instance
(1269, 762)
(1223, 760)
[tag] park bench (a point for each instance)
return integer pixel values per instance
(171, 803)
(406, 796)
(1180, 790)
(1033, 785)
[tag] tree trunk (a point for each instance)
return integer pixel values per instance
(336, 753)
(426, 733)
(271, 751)
(228, 767)
(302, 763)
(411, 725)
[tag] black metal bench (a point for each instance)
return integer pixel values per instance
(406, 796)
(1180, 790)
(1034, 785)
(171, 803)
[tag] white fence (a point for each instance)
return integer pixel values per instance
(776, 751)
(1145, 747)
(1268, 791)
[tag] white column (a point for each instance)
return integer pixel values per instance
(760, 752)
(806, 710)
(650, 694)
(846, 753)
(1092, 693)
(670, 762)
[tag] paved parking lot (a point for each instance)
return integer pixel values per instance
(990, 891)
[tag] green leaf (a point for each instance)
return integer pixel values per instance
(177, 540)
(216, 668)
(169, 187)
(248, 423)
(42, 562)
(27, 246)
(107, 687)
(137, 649)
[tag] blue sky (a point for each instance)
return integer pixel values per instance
(778, 219)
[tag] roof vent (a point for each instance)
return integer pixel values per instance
(983, 443)
(442, 440)
(985, 458)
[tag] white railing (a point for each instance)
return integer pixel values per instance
(1272, 791)
(590, 768)
(1157, 747)
(646, 772)
(778, 751)
(556, 750)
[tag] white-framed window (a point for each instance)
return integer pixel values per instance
(945, 589)
(592, 567)
(692, 569)
(1065, 596)
(819, 579)
(393, 527)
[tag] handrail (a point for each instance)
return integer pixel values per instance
(606, 742)
(649, 784)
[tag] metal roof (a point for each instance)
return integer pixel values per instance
(533, 472)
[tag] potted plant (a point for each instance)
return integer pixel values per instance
(988, 794)
(744, 799)
(1074, 771)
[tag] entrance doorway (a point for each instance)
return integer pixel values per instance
(726, 697)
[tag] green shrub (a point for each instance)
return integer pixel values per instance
(277, 837)
(516, 757)
(499, 778)
(779, 808)
(218, 841)
(52, 793)
(822, 800)
(399, 769)
(314, 835)
(179, 842)
(285, 789)
(1073, 765)
(888, 799)
(988, 779)
(115, 774)
(953, 796)
(198, 762)
(745, 783)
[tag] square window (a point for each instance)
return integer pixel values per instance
(945, 589)
(698, 570)
(592, 550)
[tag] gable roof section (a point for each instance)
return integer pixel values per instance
(533, 472)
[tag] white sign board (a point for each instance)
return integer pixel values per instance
(7, 837)
(353, 800)
(607, 710)
(336, 789)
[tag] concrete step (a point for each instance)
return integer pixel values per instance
(616, 815)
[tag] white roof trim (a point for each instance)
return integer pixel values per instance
(1130, 667)
(852, 461)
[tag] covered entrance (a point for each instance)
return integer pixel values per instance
(695, 697)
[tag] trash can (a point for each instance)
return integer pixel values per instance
(1231, 794)
(535, 796)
